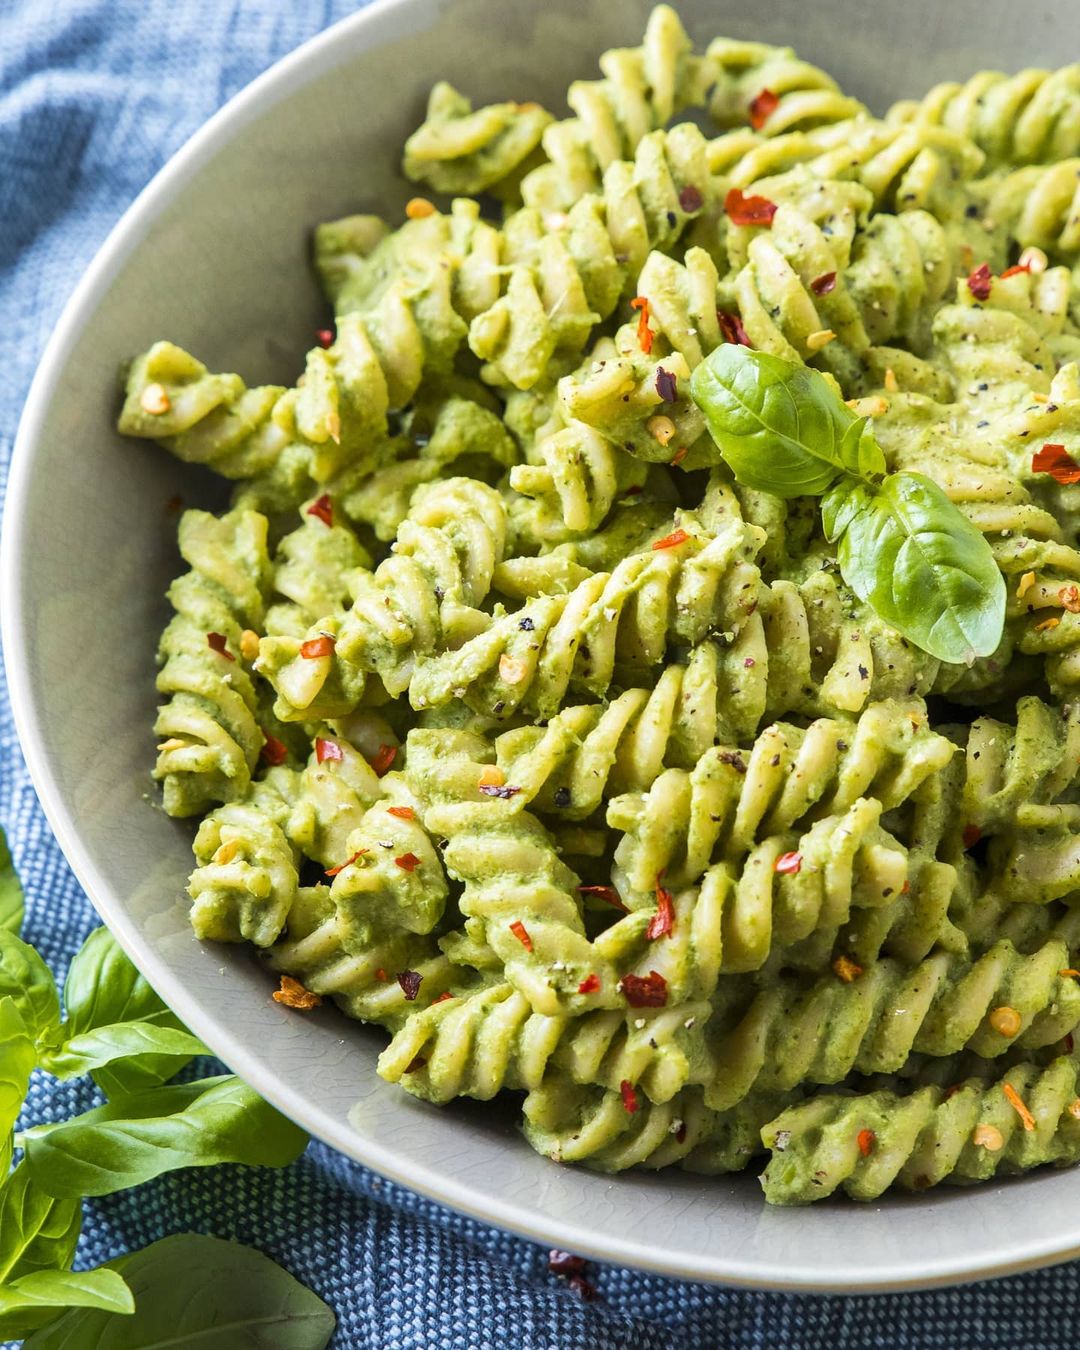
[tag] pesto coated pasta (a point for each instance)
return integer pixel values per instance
(543, 715)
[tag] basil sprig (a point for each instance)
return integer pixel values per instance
(902, 546)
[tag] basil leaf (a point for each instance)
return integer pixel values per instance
(123, 1040)
(779, 426)
(199, 1291)
(137, 1137)
(37, 1231)
(34, 1299)
(11, 894)
(908, 552)
(17, 1058)
(26, 979)
(859, 451)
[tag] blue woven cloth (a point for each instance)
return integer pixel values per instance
(95, 95)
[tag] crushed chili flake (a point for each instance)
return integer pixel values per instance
(691, 199)
(1068, 1043)
(667, 385)
(644, 332)
(314, 648)
(672, 540)
(495, 790)
(585, 1290)
(590, 984)
(1073, 1108)
(742, 210)
(678, 456)
(383, 758)
(408, 862)
(442, 997)
(865, 1140)
(762, 107)
(1016, 269)
(325, 750)
(1047, 624)
(731, 328)
(1069, 598)
(788, 864)
(644, 991)
(334, 871)
(324, 337)
(980, 281)
(410, 981)
(629, 1096)
(1069, 971)
(293, 994)
(381, 975)
(971, 835)
(823, 284)
(1017, 1103)
(565, 1263)
(680, 1133)
(274, 751)
(1058, 463)
(608, 893)
(663, 921)
(847, 969)
(522, 934)
(415, 1064)
(402, 812)
(216, 642)
(322, 509)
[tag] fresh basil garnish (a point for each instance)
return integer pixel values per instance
(11, 895)
(903, 547)
(32, 1300)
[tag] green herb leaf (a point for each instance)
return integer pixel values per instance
(104, 988)
(137, 1137)
(11, 893)
(122, 1040)
(908, 552)
(780, 426)
(37, 1231)
(25, 978)
(200, 1291)
(34, 1299)
(17, 1058)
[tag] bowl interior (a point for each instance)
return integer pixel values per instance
(214, 255)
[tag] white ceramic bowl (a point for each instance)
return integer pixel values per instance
(214, 256)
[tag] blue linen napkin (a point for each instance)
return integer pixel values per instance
(95, 95)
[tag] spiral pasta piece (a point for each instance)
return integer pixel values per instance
(803, 95)
(866, 1143)
(310, 571)
(424, 596)
(209, 720)
(1039, 206)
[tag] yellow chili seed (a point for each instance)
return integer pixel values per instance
(227, 852)
(416, 208)
(512, 670)
(892, 384)
(249, 644)
(1026, 583)
(154, 400)
(988, 1137)
(1073, 1108)
(1047, 624)
(660, 428)
(1034, 259)
(491, 776)
(173, 743)
(1006, 1021)
(816, 341)
(848, 970)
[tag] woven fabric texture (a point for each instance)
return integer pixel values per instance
(95, 95)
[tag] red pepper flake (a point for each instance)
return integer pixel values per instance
(663, 921)
(905, 888)
(442, 997)
(293, 994)
(1068, 1043)
(667, 385)
(644, 332)
(1017, 1103)
(748, 210)
(731, 326)
(865, 1140)
(678, 456)
(1058, 463)
(408, 862)
(823, 284)
(980, 282)
(324, 336)
(629, 1096)
(565, 1263)
(414, 1064)
(590, 984)
(788, 864)
(274, 751)
(522, 934)
(410, 981)
(381, 975)
(672, 540)
(971, 836)
(383, 758)
(582, 1287)
(498, 790)
(216, 642)
(311, 650)
(1015, 270)
(644, 991)
(762, 107)
(323, 509)
(402, 812)
(325, 750)
(607, 893)
(680, 1133)
(333, 871)
(691, 199)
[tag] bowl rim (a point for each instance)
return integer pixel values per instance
(288, 73)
